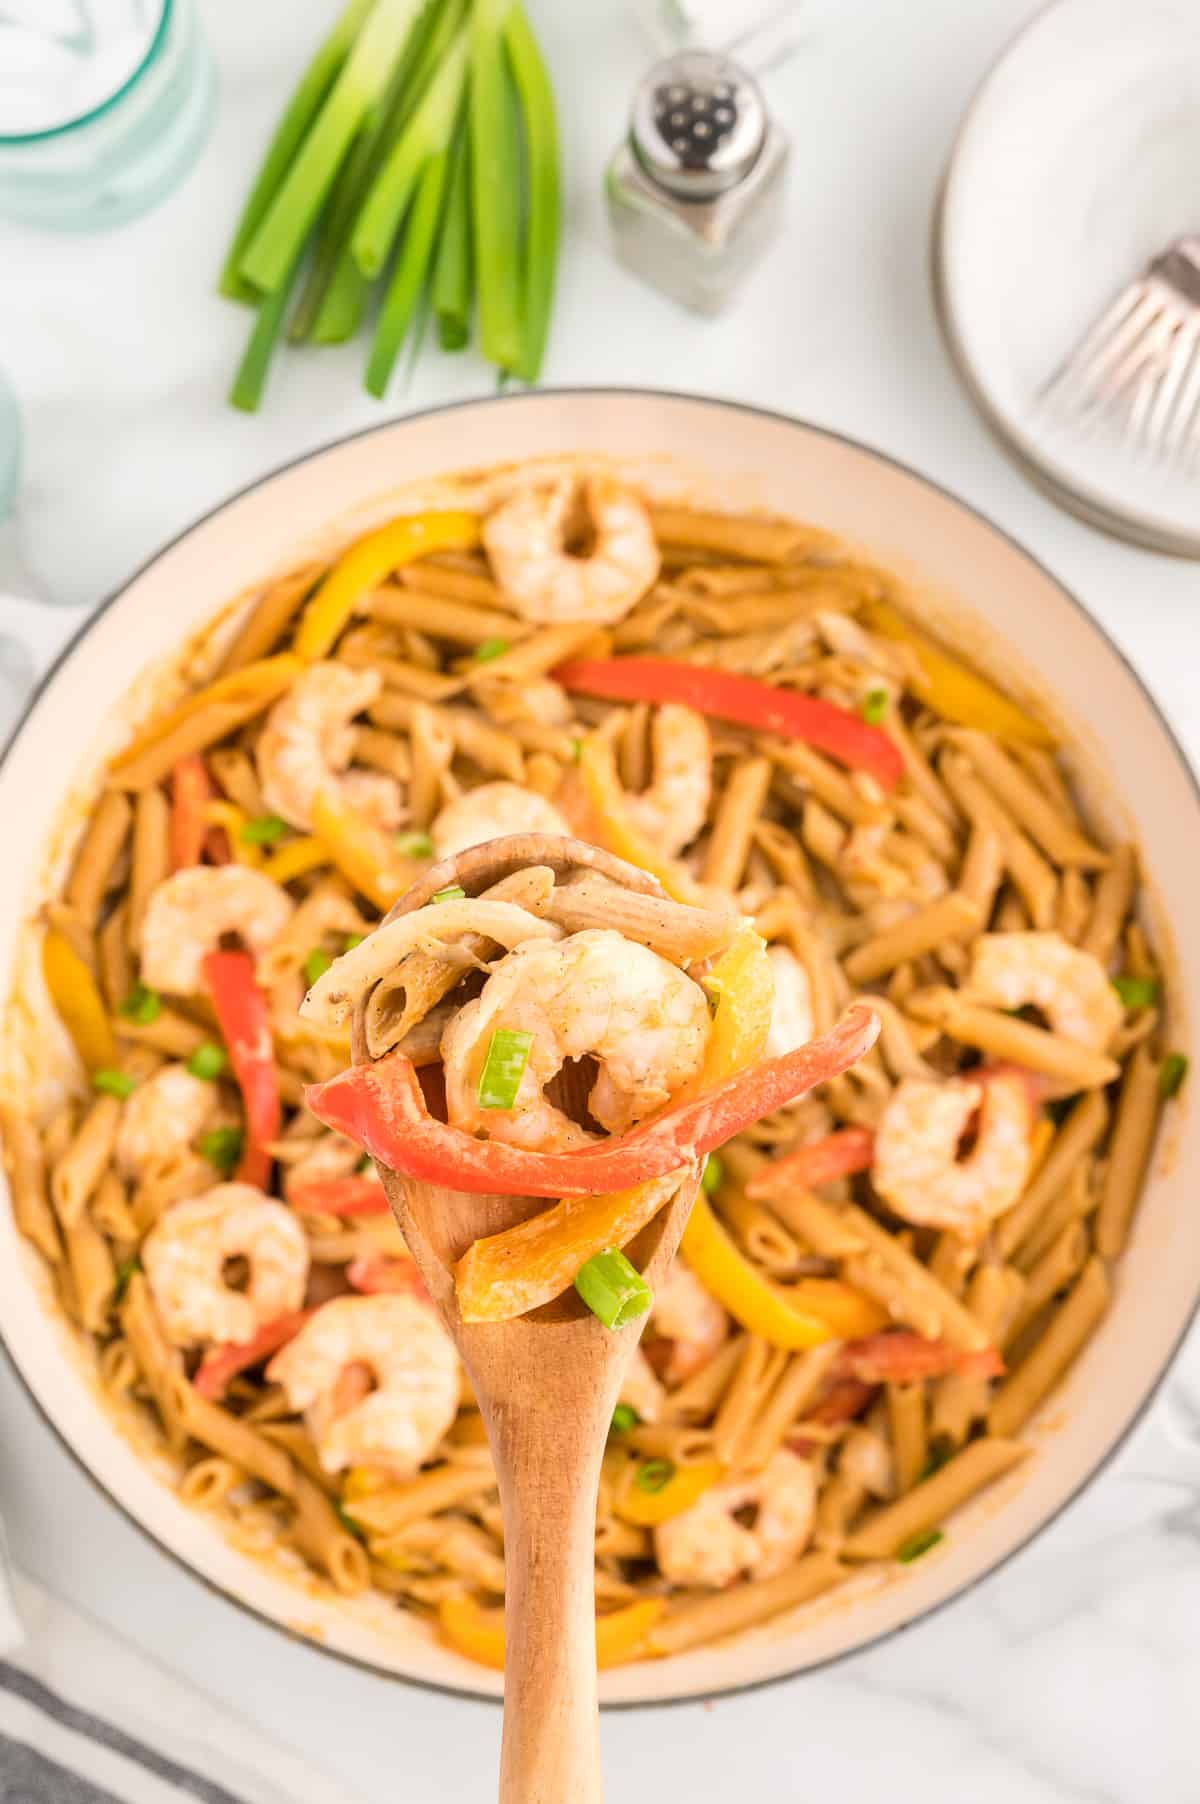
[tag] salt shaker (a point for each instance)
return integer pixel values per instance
(695, 191)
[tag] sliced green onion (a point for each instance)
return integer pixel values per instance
(142, 1004)
(352, 940)
(251, 377)
(452, 271)
(917, 1544)
(654, 1475)
(264, 830)
(114, 1083)
(542, 207)
(939, 1453)
(1171, 1075)
(348, 1523)
(414, 845)
(208, 1061)
(613, 1289)
(408, 281)
(503, 1068)
(272, 251)
(874, 706)
(453, 892)
(576, 750)
(1137, 992)
(713, 1175)
(624, 1417)
(123, 1274)
(495, 187)
(428, 134)
(222, 1147)
(315, 965)
(491, 648)
(299, 114)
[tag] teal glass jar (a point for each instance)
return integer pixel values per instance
(103, 108)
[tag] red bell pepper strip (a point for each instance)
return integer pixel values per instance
(381, 1108)
(220, 1364)
(243, 1016)
(837, 1155)
(788, 713)
(340, 1196)
(899, 1357)
(190, 790)
(397, 1277)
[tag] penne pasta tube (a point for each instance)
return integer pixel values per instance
(159, 1363)
(170, 1032)
(445, 1487)
(238, 778)
(1111, 904)
(25, 1162)
(1026, 803)
(705, 1619)
(765, 1239)
(818, 1224)
(92, 1272)
(909, 1437)
(229, 1436)
(454, 581)
(207, 1483)
(151, 856)
(118, 1368)
(951, 1261)
(1032, 877)
(95, 862)
(757, 1370)
(1070, 1327)
(980, 1464)
(544, 648)
(681, 1444)
(982, 868)
(795, 1391)
(734, 822)
(839, 1502)
(382, 751)
(1062, 1261)
(951, 918)
(321, 1538)
(732, 536)
(114, 957)
(701, 1394)
(1129, 1153)
(1075, 1200)
(816, 776)
(676, 930)
(887, 1271)
(994, 1298)
(1010, 1039)
(1079, 1134)
(269, 618)
(444, 616)
(77, 1173)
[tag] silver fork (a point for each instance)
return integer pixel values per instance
(1139, 365)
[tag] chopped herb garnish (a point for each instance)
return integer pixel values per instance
(263, 831)
(491, 648)
(917, 1544)
(576, 750)
(1170, 1078)
(347, 1521)
(453, 892)
(1137, 992)
(352, 940)
(114, 1083)
(713, 1175)
(208, 1061)
(624, 1418)
(654, 1475)
(939, 1453)
(316, 965)
(222, 1147)
(613, 1290)
(414, 845)
(142, 1004)
(124, 1273)
(874, 706)
(503, 1068)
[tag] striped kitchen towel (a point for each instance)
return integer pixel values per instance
(86, 1719)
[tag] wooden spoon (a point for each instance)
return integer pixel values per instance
(547, 1384)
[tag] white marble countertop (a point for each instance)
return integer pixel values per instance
(1072, 1676)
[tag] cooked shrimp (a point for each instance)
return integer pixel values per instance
(308, 740)
(916, 1168)
(493, 811)
(707, 1545)
(186, 1253)
(526, 539)
(673, 809)
(792, 1022)
(189, 912)
(689, 1316)
(1071, 987)
(412, 1365)
(594, 993)
(161, 1117)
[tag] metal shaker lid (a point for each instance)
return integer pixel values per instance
(699, 123)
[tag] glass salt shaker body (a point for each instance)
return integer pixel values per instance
(695, 191)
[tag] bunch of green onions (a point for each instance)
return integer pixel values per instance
(419, 152)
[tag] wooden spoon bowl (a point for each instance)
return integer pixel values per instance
(547, 1384)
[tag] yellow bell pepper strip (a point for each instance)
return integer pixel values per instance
(250, 689)
(78, 1002)
(798, 1316)
(505, 1275)
(741, 992)
(682, 1487)
(614, 829)
(296, 859)
(951, 689)
(364, 855)
(478, 1633)
(365, 564)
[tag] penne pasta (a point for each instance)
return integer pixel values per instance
(927, 1505)
(1129, 1154)
(1070, 1328)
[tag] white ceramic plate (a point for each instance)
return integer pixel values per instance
(980, 585)
(1076, 164)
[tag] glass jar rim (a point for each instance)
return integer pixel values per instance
(150, 56)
